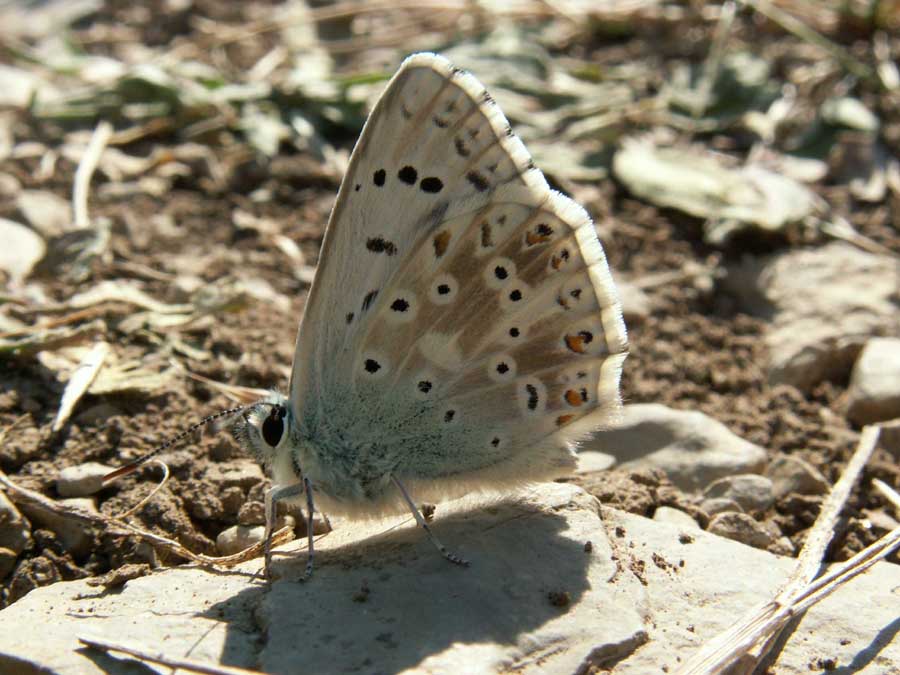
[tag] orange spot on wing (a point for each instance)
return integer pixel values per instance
(575, 343)
(573, 398)
(564, 419)
(441, 242)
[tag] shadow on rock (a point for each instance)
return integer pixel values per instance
(389, 601)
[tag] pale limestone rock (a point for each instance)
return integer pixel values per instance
(640, 599)
(823, 304)
(874, 393)
(692, 448)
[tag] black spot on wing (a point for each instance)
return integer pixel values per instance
(408, 175)
(378, 177)
(381, 245)
(431, 184)
(532, 396)
(369, 299)
(478, 181)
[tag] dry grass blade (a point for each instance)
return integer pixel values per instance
(232, 391)
(180, 663)
(80, 382)
(85, 171)
(40, 339)
(763, 623)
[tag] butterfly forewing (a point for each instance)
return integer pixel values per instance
(462, 311)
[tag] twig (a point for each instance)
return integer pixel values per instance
(758, 628)
(796, 27)
(810, 558)
(889, 493)
(85, 171)
(36, 499)
(172, 662)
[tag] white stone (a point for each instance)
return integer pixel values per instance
(874, 393)
(641, 600)
(21, 250)
(752, 492)
(238, 537)
(667, 514)
(81, 480)
(45, 211)
(822, 304)
(792, 475)
(692, 448)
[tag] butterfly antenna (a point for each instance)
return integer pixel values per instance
(133, 466)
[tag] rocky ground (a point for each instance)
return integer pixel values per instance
(742, 174)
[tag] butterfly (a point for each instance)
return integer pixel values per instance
(461, 318)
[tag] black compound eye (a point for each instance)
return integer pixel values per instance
(273, 426)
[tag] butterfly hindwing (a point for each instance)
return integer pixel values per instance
(462, 311)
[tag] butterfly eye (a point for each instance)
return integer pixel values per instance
(273, 426)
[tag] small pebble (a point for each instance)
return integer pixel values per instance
(81, 480)
(791, 475)
(754, 493)
(717, 505)
(741, 527)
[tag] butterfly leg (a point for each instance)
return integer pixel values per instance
(310, 510)
(273, 496)
(424, 525)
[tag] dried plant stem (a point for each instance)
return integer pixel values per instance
(750, 638)
(713, 65)
(23, 495)
(85, 171)
(796, 27)
(180, 663)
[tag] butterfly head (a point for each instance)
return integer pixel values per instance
(264, 428)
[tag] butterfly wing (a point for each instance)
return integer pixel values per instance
(462, 312)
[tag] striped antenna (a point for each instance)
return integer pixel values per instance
(133, 466)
